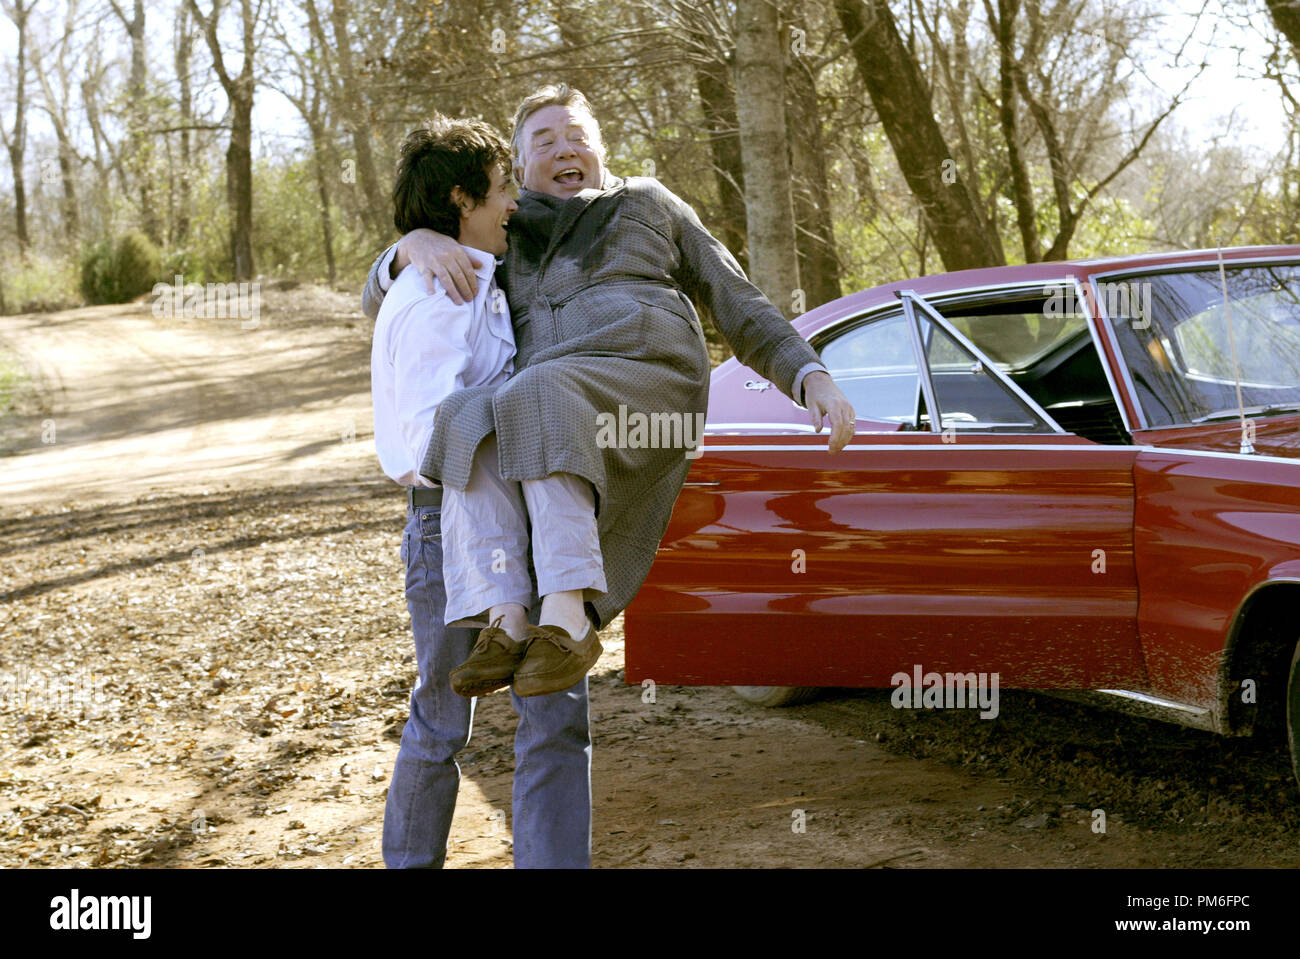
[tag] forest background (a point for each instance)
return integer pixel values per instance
(831, 145)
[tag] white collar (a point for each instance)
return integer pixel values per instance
(489, 261)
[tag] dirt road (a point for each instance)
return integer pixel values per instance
(205, 659)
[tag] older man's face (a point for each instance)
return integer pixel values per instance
(562, 152)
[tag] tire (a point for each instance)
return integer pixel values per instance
(1293, 713)
(777, 695)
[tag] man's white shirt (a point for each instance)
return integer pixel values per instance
(425, 348)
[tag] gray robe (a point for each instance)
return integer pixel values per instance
(598, 290)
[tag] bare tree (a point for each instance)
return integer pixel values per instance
(55, 104)
(239, 154)
(138, 157)
(107, 159)
(760, 108)
(819, 267)
(350, 100)
(894, 80)
(182, 59)
(703, 32)
(1067, 120)
(306, 87)
(15, 140)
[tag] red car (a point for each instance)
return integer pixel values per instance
(1076, 476)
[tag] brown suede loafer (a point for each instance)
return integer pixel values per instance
(554, 660)
(491, 665)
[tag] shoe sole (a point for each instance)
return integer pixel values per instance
(475, 682)
(470, 688)
(544, 686)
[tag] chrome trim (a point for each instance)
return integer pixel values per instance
(801, 427)
(851, 318)
(1220, 454)
(923, 373)
(947, 447)
(987, 363)
(1142, 705)
(1093, 323)
(1104, 324)
(1153, 700)
(1211, 259)
(966, 445)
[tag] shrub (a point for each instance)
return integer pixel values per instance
(118, 273)
(96, 272)
(39, 284)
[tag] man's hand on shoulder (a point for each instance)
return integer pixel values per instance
(436, 255)
(824, 399)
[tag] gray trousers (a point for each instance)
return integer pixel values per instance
(486, 538)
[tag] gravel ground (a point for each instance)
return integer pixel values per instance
(205, 661)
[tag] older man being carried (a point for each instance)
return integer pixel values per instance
(599, 277)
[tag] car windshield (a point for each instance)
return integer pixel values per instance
(1178, 340)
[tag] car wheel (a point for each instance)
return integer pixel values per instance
(1293, 713)
(777, 695)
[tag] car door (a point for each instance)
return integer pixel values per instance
(977, 538)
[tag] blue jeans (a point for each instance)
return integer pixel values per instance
(552, 792)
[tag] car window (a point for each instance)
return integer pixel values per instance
(1039, 338)
(1186, 352)
(1269, 354)
(970, 397)
(875, 366)
(1016, 337)
(874, 363)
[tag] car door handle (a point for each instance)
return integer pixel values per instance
(703, 483)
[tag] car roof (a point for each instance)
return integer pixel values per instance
(1028, 273)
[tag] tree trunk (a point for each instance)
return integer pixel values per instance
(16, 141)
(894, 82)
(1004, 29)
(138, 152)
(719, 103)
(318, 142)
(819, 265)
(67, 173)
(185, 104)
(354, 113)
(239, 154)
(239, 182)
(20, 199)
(104, 168)
(760, 103)
(55, 106)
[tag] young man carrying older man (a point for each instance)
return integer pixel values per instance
(598, 277)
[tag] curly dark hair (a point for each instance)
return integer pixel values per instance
(435, 157)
